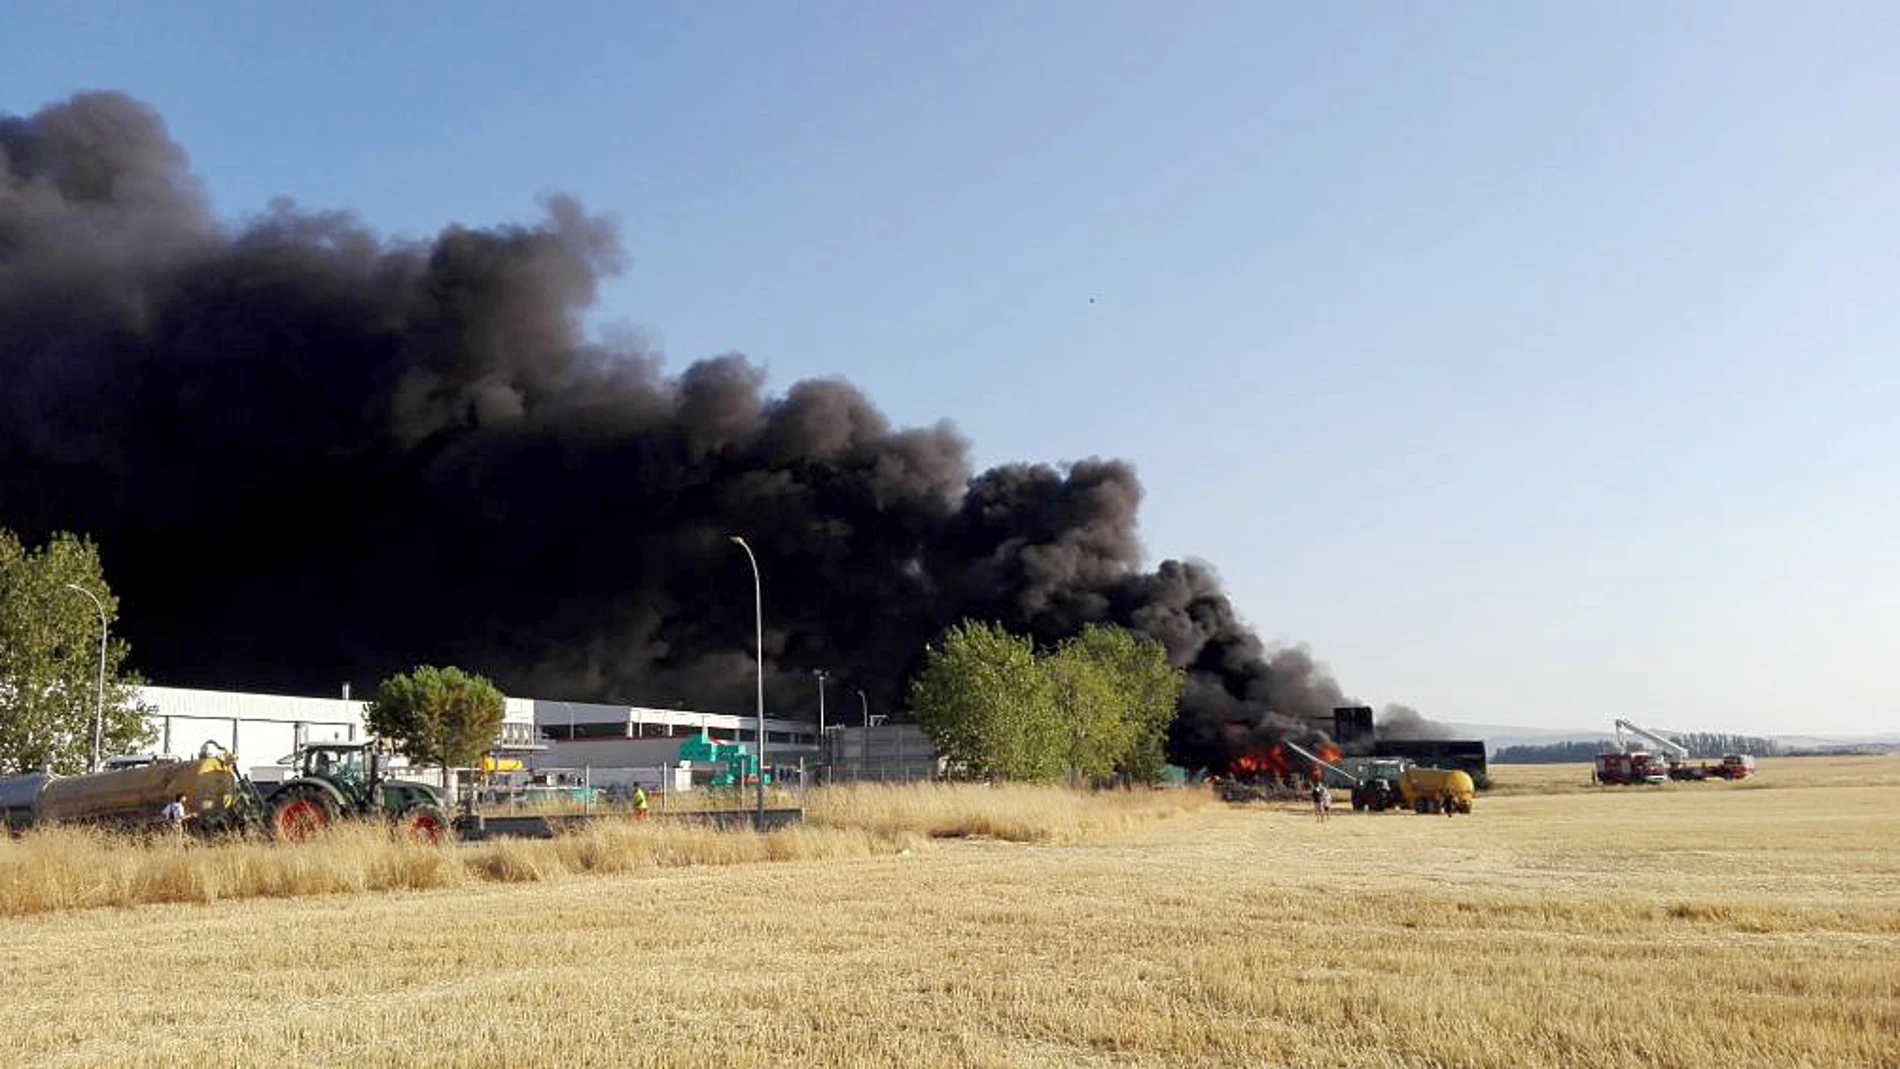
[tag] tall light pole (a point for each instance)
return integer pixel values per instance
(99, 708)
(820, 673)
(865, 704)
(758, 610)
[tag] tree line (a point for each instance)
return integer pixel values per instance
(1701, 744)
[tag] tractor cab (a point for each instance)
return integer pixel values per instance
(351, 766)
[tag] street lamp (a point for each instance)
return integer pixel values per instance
(820, 673)
(865, 704)
(758, 610)
(99, 709)
(822, 755)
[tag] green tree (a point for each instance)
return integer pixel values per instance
(989, 706)
(1091, 708)
(1118, 693)
(49, 659)
(438, 716)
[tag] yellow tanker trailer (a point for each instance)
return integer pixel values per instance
(1437, 790)
(218, 798)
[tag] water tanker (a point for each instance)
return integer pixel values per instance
(218, 797)
(19, 795)
(1437, 790)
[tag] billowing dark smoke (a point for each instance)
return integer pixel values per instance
(313, 454)
(1404, 722)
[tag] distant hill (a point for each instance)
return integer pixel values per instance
(1498, 736)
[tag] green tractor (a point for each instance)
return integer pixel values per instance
(337, 780)
(1377, 788)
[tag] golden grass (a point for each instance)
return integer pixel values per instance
(72, 868)
(1684, 927)
(1771, 772)
(1015, 812)
(695, 801)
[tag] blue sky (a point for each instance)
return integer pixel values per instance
(1531, 363)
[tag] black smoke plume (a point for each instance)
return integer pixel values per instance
(1398, 721)
(313, 454)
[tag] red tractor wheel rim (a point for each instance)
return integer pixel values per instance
(425, 828)
(300, 820)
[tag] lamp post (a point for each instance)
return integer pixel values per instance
(758, 610)
(865, 704)
(820, 673)
(822, 762)
(99, 708)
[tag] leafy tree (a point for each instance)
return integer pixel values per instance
(1117, 691)
(988, 705)
(1150, 689)
(49, 659)
(1091, 708)
(438, 716)
(1095, 707)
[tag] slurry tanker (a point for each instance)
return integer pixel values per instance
(219, 798)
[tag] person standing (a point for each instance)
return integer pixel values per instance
(174, 816)
(639, 802)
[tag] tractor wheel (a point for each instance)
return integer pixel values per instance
(299, 816)
(423, 824)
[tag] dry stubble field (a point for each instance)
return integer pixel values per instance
(1731, 924)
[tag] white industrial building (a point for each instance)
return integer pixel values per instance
(263, 728)
(581, 742)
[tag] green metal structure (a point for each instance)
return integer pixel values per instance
(733, 764)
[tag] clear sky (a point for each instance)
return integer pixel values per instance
(1534, 363)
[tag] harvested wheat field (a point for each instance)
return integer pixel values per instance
(1736, 924)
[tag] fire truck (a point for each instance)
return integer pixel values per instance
(1670, 760)
(1631, 766)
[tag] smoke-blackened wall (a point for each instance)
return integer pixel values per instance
(314, 454)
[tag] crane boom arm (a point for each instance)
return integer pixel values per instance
(1674, 747)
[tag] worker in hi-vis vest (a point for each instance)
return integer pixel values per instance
(639, 802)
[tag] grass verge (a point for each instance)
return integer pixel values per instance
(59, 869)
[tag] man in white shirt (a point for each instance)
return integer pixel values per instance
(174, 814)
